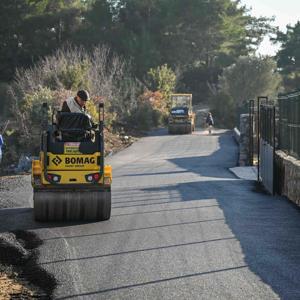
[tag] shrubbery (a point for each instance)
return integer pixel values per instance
(104, 74)
(247, 79)
(54, 79)
(151, 110)
(162, 79)
(224, 110)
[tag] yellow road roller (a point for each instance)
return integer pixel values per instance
(181, 117)
(70, 180)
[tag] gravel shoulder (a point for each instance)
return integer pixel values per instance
(15, 191)
(20, 275)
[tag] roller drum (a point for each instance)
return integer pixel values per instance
(180, 129)
(60, 205)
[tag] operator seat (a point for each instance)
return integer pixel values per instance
(73, 127)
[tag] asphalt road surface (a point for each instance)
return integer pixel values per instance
(182, 227)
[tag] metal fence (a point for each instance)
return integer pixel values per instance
(267, 123)
(254, 120)
(252, 132)
(289, 124)
(267, 146)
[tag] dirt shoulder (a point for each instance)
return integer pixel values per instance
(20, 275)
(117, 142)
(11, 289)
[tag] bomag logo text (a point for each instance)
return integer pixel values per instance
(79, 160)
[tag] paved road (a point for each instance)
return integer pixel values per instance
(182, 227)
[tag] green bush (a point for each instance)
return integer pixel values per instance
(157, 117)
(223, 110)
(55, 78)
(32, 104)
(143, 116)
(74, 77)
(11, 150)
(162, 79)
(248, 78)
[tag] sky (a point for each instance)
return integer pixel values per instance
(285, 12)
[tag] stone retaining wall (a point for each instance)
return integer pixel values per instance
(288, 176)
(244, 140)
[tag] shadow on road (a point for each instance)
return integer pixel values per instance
(158, 132)
(266, 227)
(13, 219)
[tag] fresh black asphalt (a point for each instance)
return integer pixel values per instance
(182, 227)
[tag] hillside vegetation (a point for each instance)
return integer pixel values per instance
(133, 54)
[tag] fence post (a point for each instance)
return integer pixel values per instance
(258, 132)
(274, 150)
(258, 139)
(251, 123)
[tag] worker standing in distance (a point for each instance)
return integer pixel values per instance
(76, 104)
(209, 122)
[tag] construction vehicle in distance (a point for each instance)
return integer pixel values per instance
(181, 118)
(70, 181)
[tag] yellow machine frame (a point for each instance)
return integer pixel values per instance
(72, 185)
(182, 124)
